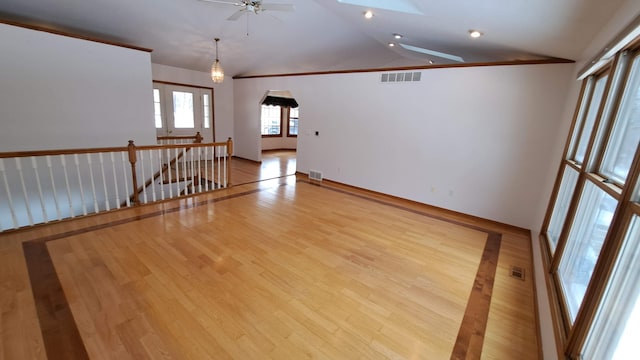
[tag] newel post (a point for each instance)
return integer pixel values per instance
(229, 152)
(132, 159)
(198, 138)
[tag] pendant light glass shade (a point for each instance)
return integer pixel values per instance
(217, 74)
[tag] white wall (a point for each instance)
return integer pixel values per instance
(475, 140)
(222, 95)
(61, 92)
(282, 142)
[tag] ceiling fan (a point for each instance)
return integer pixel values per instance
(252, 6)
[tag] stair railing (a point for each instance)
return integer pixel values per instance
(50, 185)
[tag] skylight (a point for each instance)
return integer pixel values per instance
(405, 6)
(432, 53)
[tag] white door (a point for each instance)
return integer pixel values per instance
(182, 110)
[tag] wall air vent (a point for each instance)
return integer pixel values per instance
(315, 175)
(400, 77)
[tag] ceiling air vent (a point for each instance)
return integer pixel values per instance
(400, 77)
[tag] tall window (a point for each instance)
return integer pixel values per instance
(206, 110)
(292, 128)
(271, 119)
(591, 235)
(157, 108)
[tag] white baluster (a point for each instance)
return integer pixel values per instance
(66, 181)
(24, 190)
(144, 178)
(177, 172)
(219, 160)
(125, 162)
(115, 180)
(169, 172)
(206, 173)
(199, 170)
(104, 182)
(34, 165)
(224, 163)
(153, 181)
(93, 184)
(53, 187)
(6, 187)
(77, 162)
(193, 175)
(161, 174)
(183, 151)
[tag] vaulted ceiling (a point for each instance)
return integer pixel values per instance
(327, 35)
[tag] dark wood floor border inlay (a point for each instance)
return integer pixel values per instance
(470, 337)
(62, 338)
(59, 330)
(474, 323)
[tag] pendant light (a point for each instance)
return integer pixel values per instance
(217, 74)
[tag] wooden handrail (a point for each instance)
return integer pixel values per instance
(14, 154)
(180, 146)
(197, 138)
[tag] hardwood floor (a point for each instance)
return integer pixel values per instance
(277, 269)
(275, 163)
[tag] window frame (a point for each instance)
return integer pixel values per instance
(571, 337)
(279, 134)
(288, 117)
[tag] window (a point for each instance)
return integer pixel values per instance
(157, 109)
(292, 128)
(271, 119)
(567, 187)
(617, 324)
(590, 119)
(625, 135)
(591, 223)
(183, 110)
(591, 235)
(206, 110)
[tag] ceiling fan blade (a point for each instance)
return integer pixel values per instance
(277, 7)
(236, 15)
(231, 2)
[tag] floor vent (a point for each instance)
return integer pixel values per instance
(315, 175)
(517, 272)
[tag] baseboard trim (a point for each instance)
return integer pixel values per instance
(466, 217)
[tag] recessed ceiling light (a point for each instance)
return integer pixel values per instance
(475, 33)
(430, 62)
(391, 44)
(397, 36)
(368, 14)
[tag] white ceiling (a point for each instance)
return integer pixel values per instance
(325, 35)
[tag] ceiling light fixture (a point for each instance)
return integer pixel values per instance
(217, 74)
(475, 34)
(397, 36)
(368, 14)
(391, 44)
